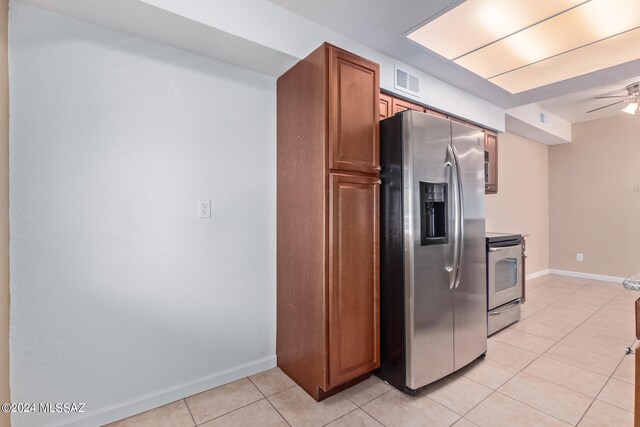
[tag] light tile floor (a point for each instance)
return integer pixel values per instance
(563, 364)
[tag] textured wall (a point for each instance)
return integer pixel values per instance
(121, 295)
(522, 202)
(595, 198)
(4, 212)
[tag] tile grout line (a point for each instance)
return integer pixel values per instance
(600, 391)
(341, 416)
(190, 413)
(486, 397)
(530, 334)
(532, 407)
(227, 413)
(371, 400)
(620, 379)
(267, 399)
(574, 329)
(371, 415)
(510, 397)
(580, 324)
(230, 412)
(579, 311)
(602, 305)
(424, 396)
(589, 314)
(540, 355)
(525, 403)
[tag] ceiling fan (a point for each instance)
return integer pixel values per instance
(632, 97)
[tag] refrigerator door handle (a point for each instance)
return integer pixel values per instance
(460, 219)
(455, 250)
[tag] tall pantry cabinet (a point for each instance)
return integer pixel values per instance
(328, 186)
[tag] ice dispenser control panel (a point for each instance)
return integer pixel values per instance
(433, 213)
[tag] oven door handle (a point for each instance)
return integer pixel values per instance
(503, 248)
(506, 308)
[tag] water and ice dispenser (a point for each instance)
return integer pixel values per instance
(433, 213)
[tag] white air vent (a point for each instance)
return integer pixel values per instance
(544, 118)
(407, 82)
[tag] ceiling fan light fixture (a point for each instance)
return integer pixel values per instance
(631, 108)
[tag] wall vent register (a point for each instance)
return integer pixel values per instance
(407, 82)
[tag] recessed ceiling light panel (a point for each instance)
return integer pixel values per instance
(573, 29)
(522, 44)
(476, 23)
(603, 54)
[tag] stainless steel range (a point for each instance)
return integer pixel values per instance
(505, 279)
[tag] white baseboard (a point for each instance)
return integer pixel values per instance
(143, 403)
(537, 274)
(587, 275)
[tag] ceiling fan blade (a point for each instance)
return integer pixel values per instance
(600, 108)
(613, 96)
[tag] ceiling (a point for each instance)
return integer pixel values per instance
(523, 45)
(385, 24)
(574, 106)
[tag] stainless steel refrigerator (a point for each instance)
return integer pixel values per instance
(433, 292)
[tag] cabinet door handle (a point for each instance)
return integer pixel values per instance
(379, 168)
(379, 182)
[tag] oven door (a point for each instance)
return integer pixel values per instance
(505, 275)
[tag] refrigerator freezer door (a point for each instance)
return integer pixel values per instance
(428, 299)
(470, 297)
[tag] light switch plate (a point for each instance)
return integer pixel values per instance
(579, 257)
(204, 208)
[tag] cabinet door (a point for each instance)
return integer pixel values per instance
(435, 113)
(490, 162)
(385, 106)
(398, 105)
(354, 271)
(354, 116)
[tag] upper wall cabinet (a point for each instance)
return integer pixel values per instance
(490, 162)
(385, 106)
(399, 105)
(354, 113)
(390, 105)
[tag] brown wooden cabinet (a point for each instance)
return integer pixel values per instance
(490, 162)
(353, 113)
(390, 105)
(385, 106)
(399, 105)
(354, 230)
(328, 112)
(435, 113)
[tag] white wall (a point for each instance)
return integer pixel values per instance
(121, 296)
(522, 202)
(594, 198)
(262, 36)
(297, 36)
(526, 122)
